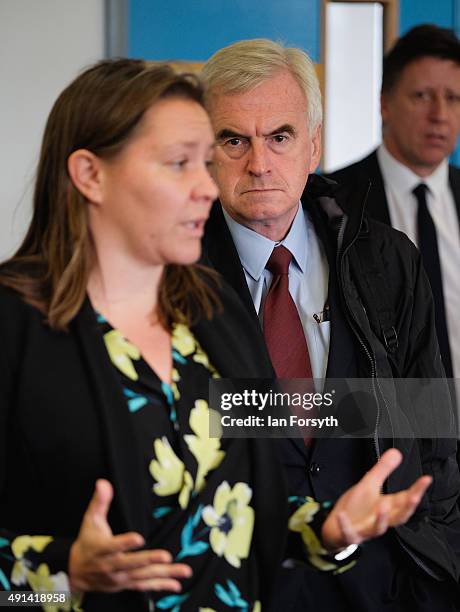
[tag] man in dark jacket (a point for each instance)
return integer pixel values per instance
(358, 306)
(420, 104)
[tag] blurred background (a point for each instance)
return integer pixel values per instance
(45, 43)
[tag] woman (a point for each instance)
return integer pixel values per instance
(109, 482)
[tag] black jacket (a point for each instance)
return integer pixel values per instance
(382, 326)
(368, 169)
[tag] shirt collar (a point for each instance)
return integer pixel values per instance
(403, 180)
(254, 250)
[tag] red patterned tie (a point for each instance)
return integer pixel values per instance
(283, 329)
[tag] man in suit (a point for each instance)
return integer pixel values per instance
(336, 296)
(420, 105)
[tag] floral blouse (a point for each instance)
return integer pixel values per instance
(200, 490)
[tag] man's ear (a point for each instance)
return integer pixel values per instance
(85, 171)
(383, 107)
(315, 149)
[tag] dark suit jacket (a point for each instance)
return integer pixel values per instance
(377, 206)
(220, 252)
(332, 465)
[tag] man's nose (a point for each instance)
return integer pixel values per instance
(439, 107)
(258, 163)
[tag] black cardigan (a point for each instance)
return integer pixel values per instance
(64, 424)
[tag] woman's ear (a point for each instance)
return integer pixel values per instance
(85, 171)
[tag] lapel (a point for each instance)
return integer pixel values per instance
(377, 206)
(119, 442)
(454, 180)
(341, 362)
(220, 252)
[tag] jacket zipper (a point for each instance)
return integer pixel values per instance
(374, 379)
(367, 352)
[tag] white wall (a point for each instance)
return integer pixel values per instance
(43, 45)
(353, 69)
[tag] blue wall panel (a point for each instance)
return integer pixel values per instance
(193, 30)
(414, 12)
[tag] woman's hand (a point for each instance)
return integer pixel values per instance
(363, 512)
(100, 561)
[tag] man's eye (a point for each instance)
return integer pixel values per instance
(421, 96)
(235, 147)
(279, 138)
(453, 98)
(233, 142)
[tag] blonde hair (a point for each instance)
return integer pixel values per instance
(247, 63)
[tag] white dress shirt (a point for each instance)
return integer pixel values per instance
(399, 182)
(308, 278)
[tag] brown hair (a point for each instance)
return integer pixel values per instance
(98, 111)
(426, 40)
